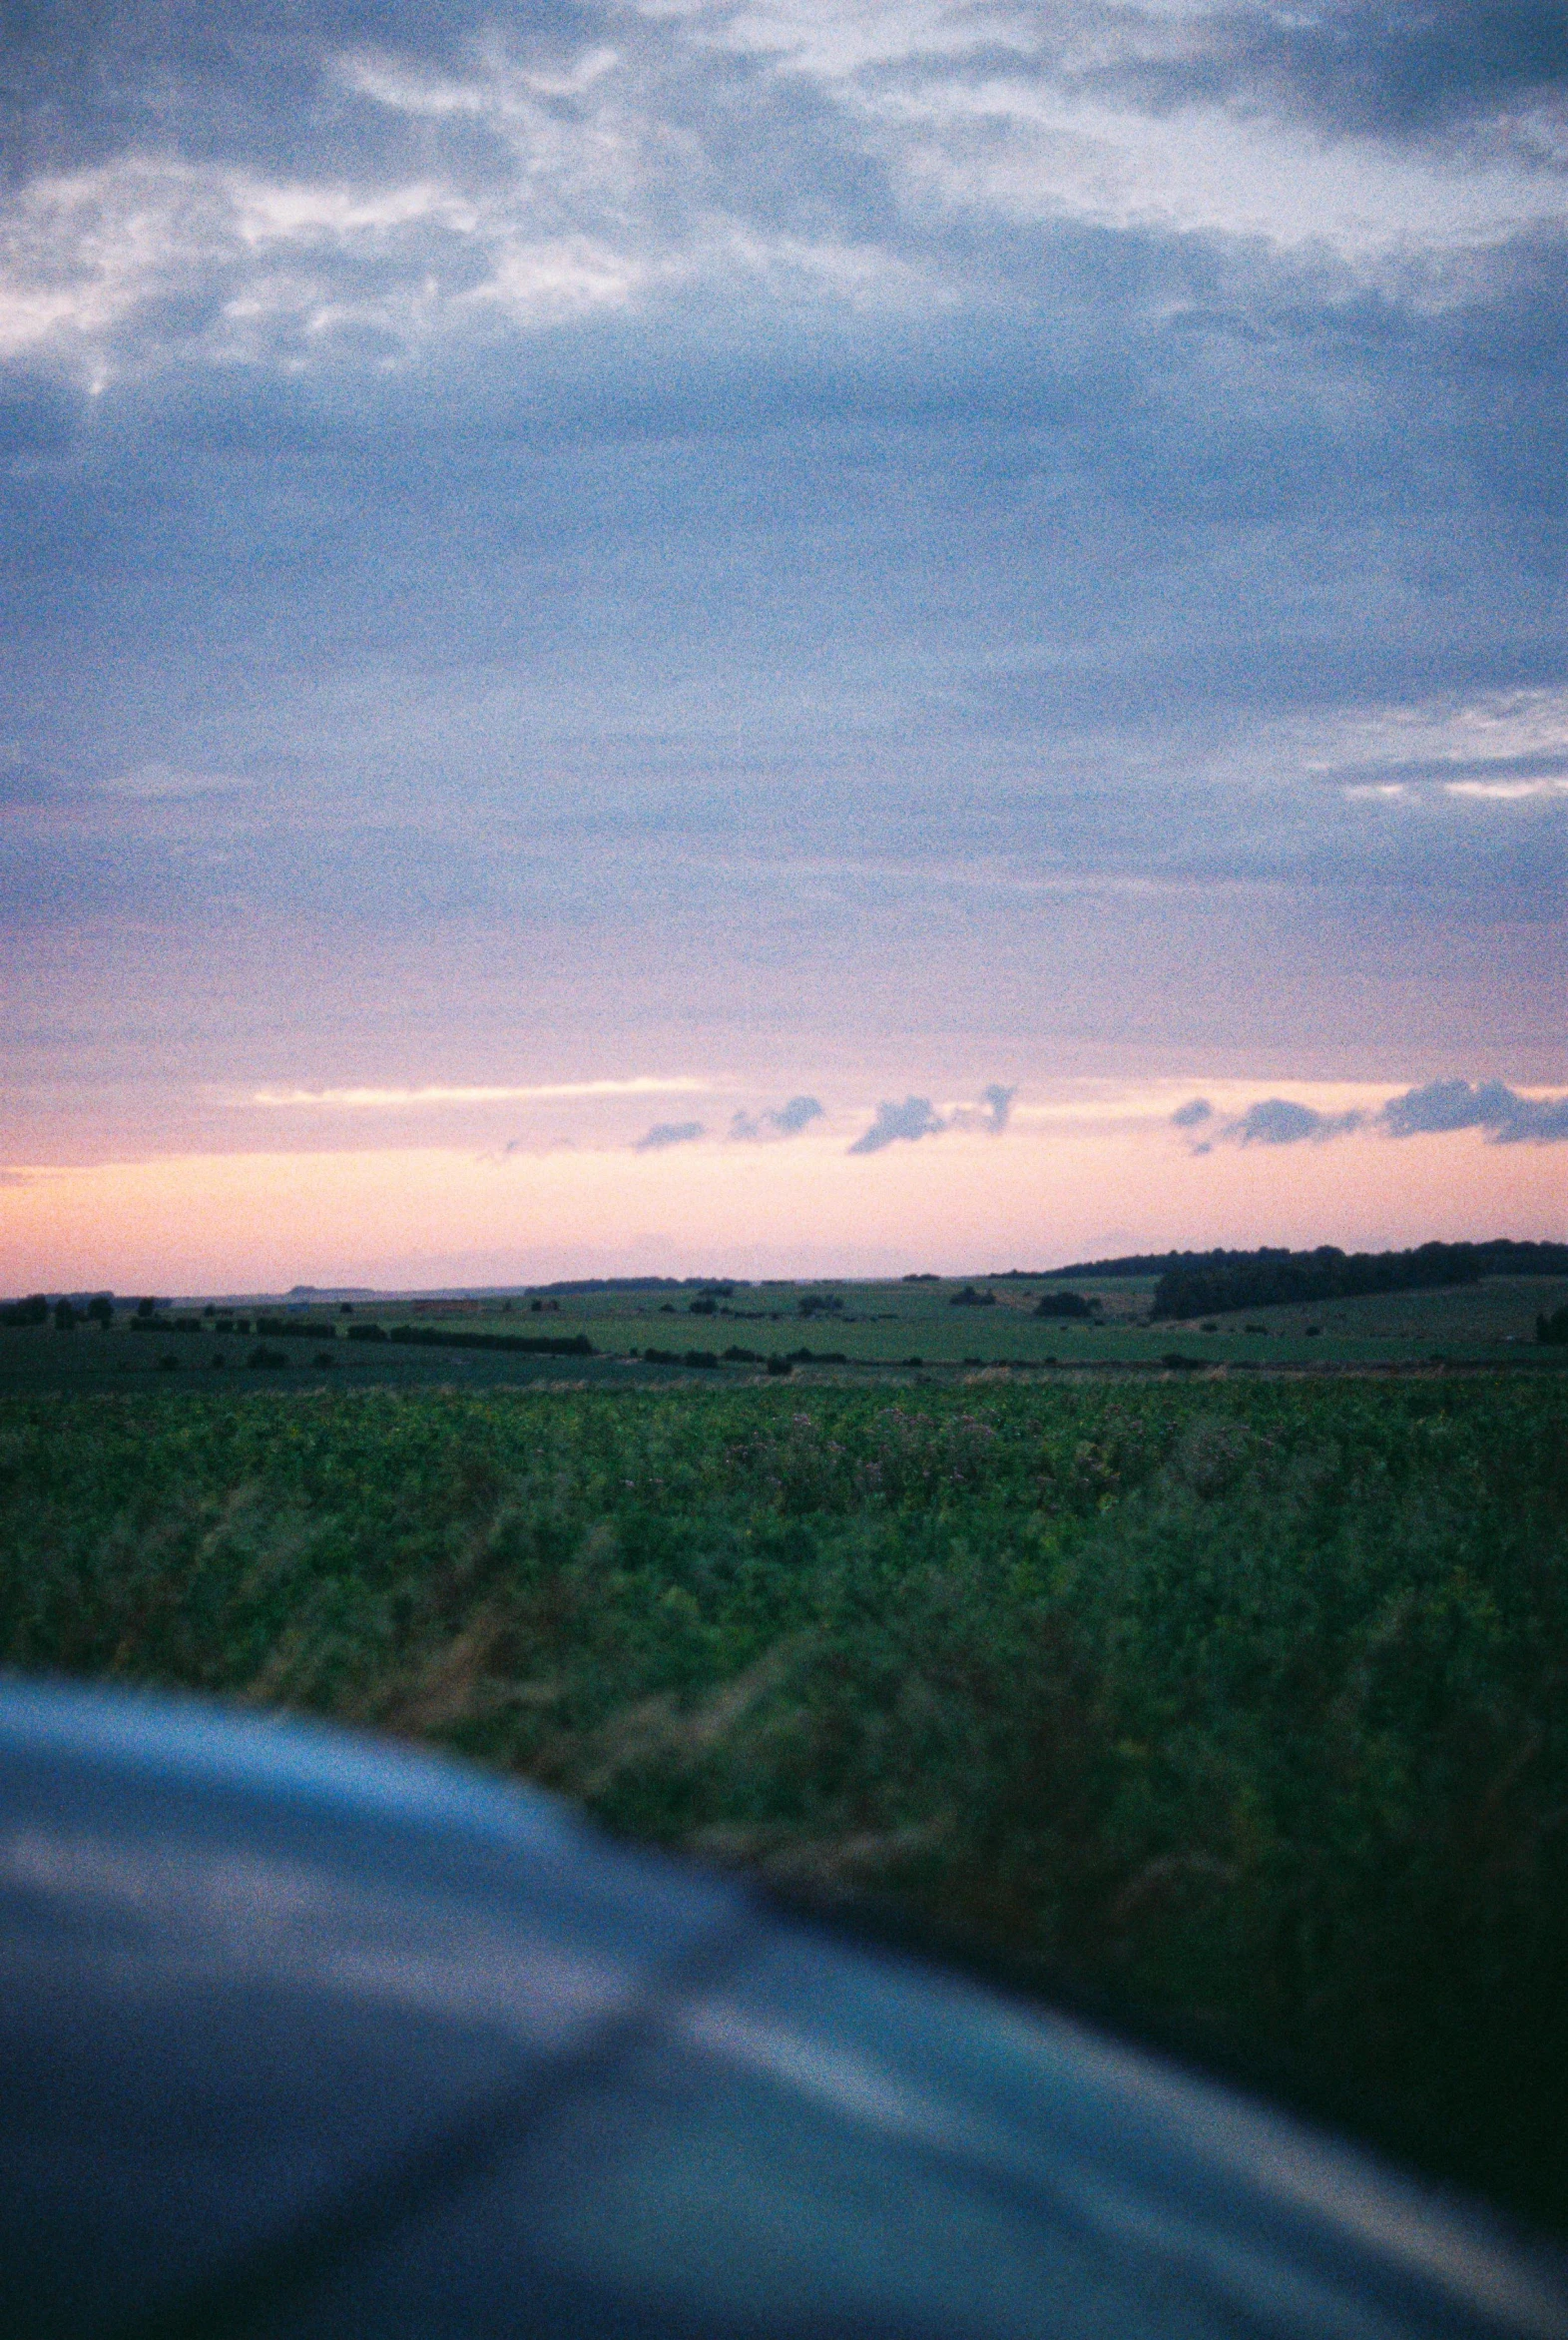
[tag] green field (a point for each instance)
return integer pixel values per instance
(1235, 1706)
(887, 1329)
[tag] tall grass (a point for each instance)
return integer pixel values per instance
(1238, 1706)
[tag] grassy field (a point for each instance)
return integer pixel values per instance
(1235, 1704)
(891, 1330)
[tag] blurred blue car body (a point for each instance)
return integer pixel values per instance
(304, 2036)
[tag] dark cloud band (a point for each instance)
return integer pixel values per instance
(1441, 1106)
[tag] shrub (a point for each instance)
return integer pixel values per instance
(1064, 1304)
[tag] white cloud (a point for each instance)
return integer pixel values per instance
(1452, 730)
(1506, 745)
(398, 1098)
(498, 91)
(612, 181)
(1506, 792)
(1040, 142)
(1032, 152)
(835, 42)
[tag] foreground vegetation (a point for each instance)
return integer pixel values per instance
(1236, 1706)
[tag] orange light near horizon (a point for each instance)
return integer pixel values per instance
(1039, 1196)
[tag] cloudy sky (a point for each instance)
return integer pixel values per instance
(761, 636)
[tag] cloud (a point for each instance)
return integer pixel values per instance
(561, 448)
(789, 1121)
(794, 1117)
(991, 1114)
(1437, 1109)
(1491, 1105)
(669, 1133)
(1272, 1121)
(915, 1118)
(1393, 72)
(1279, 1121)
(394, 1100)
(1507, 792)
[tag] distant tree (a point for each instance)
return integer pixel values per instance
(100, 1310)
(1064, 1304)
(1207, 1283)
(34, 1311)
(1553, 1329)
(65, 1316)
(970, 1298)
(146, 1309)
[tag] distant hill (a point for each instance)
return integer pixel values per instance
(580, 1285)
(1206, 1283)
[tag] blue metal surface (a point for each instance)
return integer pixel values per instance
(300, 2035)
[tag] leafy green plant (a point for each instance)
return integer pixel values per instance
(1238, 1704)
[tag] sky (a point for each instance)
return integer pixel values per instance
(770, 638)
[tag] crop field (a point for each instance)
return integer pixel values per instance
(891, 1329)
(1234, 1706)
